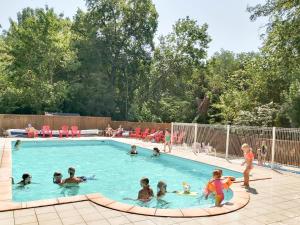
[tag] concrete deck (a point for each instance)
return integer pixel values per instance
(273, 201)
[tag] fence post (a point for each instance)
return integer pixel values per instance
(195, 137)
(227, 141)
(273, 146)
(172, 127)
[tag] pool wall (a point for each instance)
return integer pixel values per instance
(240, 197)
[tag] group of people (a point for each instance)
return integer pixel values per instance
(110, 132)
(133, 151)
(215, 186)
(57, 178)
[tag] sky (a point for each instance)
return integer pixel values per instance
(228, 21)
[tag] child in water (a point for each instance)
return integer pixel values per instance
(17, 144)
(133, 150)
(161, 189)
(156, 152)
(57, 178)
(146, 193)
(215, 186)
(26, 179)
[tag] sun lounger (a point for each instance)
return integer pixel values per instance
(55, 133)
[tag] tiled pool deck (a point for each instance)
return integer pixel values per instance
(273, 201)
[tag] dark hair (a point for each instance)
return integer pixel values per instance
(145, 180)
(71, 168)
(17, 142)
(25, 175)
(156, 149)
(57, 174)
(217, 173)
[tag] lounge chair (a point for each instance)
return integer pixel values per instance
(75, 131)
(159, 137)
(64, 131)
(137, 133)
(152, 131)
(46, 131)
(145, 133)
(210, 150)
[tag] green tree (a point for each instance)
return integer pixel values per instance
(124, 36)
(176, 77)
(39, 46)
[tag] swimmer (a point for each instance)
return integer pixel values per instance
(133, 150)
(57, 178)
(17, 144)
(26, 179)
(72, 179)
(161, 189)
(161, 192)
(156, 152)
(146, 193)
(84, 178)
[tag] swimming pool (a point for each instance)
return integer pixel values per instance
(117, 173)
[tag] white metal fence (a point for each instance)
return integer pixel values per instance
(282, 144)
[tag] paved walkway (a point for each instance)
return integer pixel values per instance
(274, 201)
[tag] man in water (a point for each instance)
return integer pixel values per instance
(72, 179)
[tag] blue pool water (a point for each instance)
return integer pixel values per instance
(117, 173)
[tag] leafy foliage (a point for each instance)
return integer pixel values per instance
(105, 62)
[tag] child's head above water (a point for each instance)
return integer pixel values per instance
(144, 182)
(18, 143)
(133, 149)
(156, 151)
(161, 188)
(57, 176)
(161, 185)
(26, 178)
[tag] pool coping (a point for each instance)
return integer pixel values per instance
(239, 200)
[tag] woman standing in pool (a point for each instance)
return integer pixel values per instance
(167, 140)
(249, 157)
